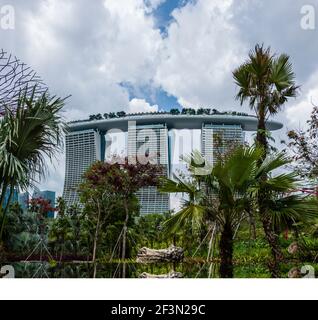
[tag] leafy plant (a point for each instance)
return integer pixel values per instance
(28, 137)
(266, 82)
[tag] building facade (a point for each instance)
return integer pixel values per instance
(148, 136)
(218, 139)
(150, 141)
(82, 149)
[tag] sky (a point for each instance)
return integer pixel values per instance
(148, 55)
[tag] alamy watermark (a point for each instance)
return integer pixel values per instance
(7, 272)
(7, 17)
(149, 145)
(308, 17)
(305, 272)
(308, 272)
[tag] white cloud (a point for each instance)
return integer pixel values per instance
(153, 4)
(299, 112)
(199, 53)
(73, 114)
(141, 105)
(88, 48)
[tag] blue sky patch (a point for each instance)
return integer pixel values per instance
(152, 95)
(163, 12)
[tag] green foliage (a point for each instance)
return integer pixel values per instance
(70, 235)
(108, 195)
(266, 78)
(149, 229)
(21, 233)
(308, 249)
(29, 136)
(303, 146)
(228, 195)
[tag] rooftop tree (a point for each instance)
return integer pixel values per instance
(175, 111)
(121, 114)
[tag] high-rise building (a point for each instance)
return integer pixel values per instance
(82, 150)
(218, 139)
(148, 135)
(150, 141)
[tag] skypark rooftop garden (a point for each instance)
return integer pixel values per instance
(174, 119)
(175, 111)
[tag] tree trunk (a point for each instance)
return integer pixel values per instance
(3, 193)
(226, 252)
(253, 234)
(5, 211)
(123, 253)
(271, 237)
(95, 243)
(62, 252)
(261, 137)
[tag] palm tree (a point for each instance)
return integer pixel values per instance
(267, 82)
(230, 191)
(219, 198)
(29, 137)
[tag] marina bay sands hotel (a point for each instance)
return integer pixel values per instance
(87, 141)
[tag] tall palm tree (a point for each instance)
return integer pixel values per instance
(29, 137)
(266, 82)
(235, 184)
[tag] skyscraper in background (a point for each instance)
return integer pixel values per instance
(82, 149)
(147, 134)
(218, 139)
(150, 140)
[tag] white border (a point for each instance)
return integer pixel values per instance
(138, 289)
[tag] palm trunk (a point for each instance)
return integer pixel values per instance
(261, 138)
(226, 252)
(272, 239)
(62, 252)
(252, 221)
(271, 236)
(5, 211)
(3, 193)
(123, 253)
